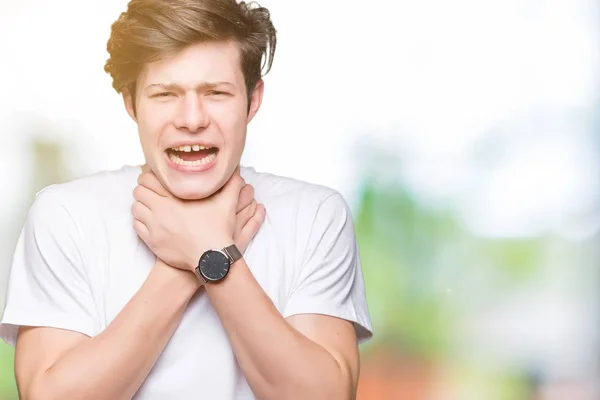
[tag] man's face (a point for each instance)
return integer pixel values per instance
(192, 114)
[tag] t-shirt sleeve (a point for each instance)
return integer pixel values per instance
(47, 283)
(330, 281)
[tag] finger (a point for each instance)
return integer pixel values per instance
(234, 185)
(150, 181)
(246, 197)
(145, 196)
(142, 230)
(141, 212)
(253, 225)
(244, 216)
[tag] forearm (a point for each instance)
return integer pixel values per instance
(114, 364)
(278, 361)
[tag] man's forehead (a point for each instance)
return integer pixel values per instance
(202, 62)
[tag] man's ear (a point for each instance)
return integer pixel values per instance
(256, 99)
(129, 104)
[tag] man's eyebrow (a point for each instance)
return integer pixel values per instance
(176, 87)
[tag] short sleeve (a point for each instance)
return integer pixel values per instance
(47, 283)
(330, 281)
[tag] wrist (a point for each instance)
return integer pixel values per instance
(182, 279)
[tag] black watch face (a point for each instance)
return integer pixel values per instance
(214, 265)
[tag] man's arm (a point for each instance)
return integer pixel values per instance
(313, 354)
(58, 364)
(304, 357)
(65, 364)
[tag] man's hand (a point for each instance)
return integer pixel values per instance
(179, 231)
(249, 219)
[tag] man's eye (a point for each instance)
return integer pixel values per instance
(164, 94)
(215, 93)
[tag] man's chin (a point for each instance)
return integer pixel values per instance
(189, 191)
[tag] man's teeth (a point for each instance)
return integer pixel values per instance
(187, 149)
(177, 160)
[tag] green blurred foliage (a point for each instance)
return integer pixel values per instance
(398, 242)
(8, 387)
(424, 271)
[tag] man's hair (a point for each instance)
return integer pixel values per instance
(153, 30)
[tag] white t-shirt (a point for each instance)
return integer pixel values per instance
(78, 261)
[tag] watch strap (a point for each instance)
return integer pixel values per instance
(233, 253)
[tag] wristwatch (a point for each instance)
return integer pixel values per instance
(215, 264)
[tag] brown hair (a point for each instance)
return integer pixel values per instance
(152, 30)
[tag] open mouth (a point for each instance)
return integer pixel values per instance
(192, 155)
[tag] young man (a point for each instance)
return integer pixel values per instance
(188, 277)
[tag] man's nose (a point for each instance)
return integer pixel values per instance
(192, 114)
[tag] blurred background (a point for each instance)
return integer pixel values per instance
(465, 135)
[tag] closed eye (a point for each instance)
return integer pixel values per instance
(216, 93)
(163, 94)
